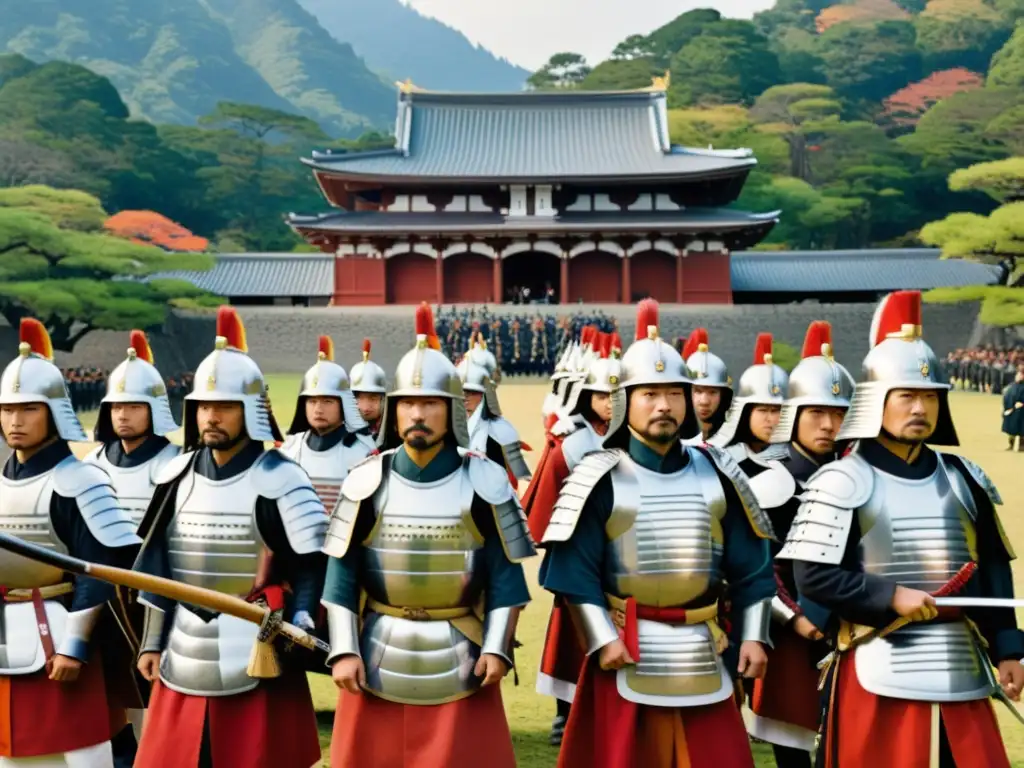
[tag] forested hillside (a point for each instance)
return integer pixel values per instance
(858, 112)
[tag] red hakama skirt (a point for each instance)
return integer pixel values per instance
(271, 726)
(370, 732)
(785, 707)
(563, 657)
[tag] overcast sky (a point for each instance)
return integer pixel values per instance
(527, 32)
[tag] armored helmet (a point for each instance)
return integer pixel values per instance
(33, 378)
(477, 377)
(899, 359)
(483, 357)
(229, 375)
(326, 379)
(556, 397)
(707, 368)
(763, 383)
(136, 380)
(367, 376)
(649, 361)
(816, 380)
(604, 374)
(424, 371)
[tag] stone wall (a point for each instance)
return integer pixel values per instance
(284, 339)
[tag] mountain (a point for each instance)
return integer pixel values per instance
(400, 42)
(173, 60)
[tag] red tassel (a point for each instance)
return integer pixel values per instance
(897, 313)
(34, 333)
(139, 342)
(692, 345)
(819, 333)
(615, 345)
(762, 347)
(425, 325)
(646, 317)
(325, 348)
(230, 327)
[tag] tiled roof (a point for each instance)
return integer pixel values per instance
(535, 136)
(264, 275)
(879, 270)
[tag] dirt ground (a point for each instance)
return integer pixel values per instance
(977, 420)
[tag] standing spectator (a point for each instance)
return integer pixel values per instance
(1013, 412)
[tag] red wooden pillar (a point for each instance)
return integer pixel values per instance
(496, 286)
(627, 291)
(679, 276)
(564, 278)
(439, 276)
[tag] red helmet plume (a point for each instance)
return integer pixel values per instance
(615, 345)
(898, 314)
(698, 337)
(140, 344)
(818, 340)
(230, 328)
(325, 348)
(646, 318)
(34, 333)
(425, 325)
(762, 348)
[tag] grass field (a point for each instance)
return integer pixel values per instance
(977, 419)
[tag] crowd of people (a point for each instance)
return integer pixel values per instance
(88, 385)
(984, 369)
(525, 344)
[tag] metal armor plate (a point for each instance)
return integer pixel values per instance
(213, 542)
(578, 444)
(417, 662)
(926, 662)
(678, 667)
(914, 531)
(917, 532)
(25, 513)
(328, 469)
(134, 486)
(420, 553)
(665, 532)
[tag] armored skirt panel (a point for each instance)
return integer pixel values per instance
(212, 542)
(918, 533)
(328, 469)
(421, 556)
(665, 544)
(25, 513)
(133, 485)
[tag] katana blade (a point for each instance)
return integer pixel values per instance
(979, 602)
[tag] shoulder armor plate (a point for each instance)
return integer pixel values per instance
(774, 452)
(290, 445)
(773, 487)
(275, 476)
(502, 431)
(174, 468)
(978, 475)
(362, 481)
(830, 499)
(577, 445)
(166, 455)
(94, 454)
(576, 490)
(90, 487)
(728, 466)
(489, 479)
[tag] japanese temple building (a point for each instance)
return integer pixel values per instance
(579, 192)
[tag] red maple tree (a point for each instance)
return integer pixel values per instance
(152, 228)
(859, 12)
(904, 107)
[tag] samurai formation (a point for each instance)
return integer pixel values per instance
(793, 559)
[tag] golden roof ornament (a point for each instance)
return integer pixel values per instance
(660, 84)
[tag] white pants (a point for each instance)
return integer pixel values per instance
(98, 756)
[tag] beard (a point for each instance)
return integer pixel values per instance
(904, 440)
(419, 437)
(661, 431)
(221, 441)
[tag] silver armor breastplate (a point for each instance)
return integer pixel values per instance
(133, 485)
(665, 532)
(328, 469)
(664, 547)
(421, 554)
(212, 542)
(25, 513)
(915, 532)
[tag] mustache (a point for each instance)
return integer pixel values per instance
(418, 427)
(919, 423)
(666, 419)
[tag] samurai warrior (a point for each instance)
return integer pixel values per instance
(56, 706)
(328, 434)
(646, 538)
(231, 516)
(432, 534)
(712, 384)
(902, 546)
(369, 385)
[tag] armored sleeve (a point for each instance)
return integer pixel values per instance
(342, 590)
(491, 486)
(299, 509)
